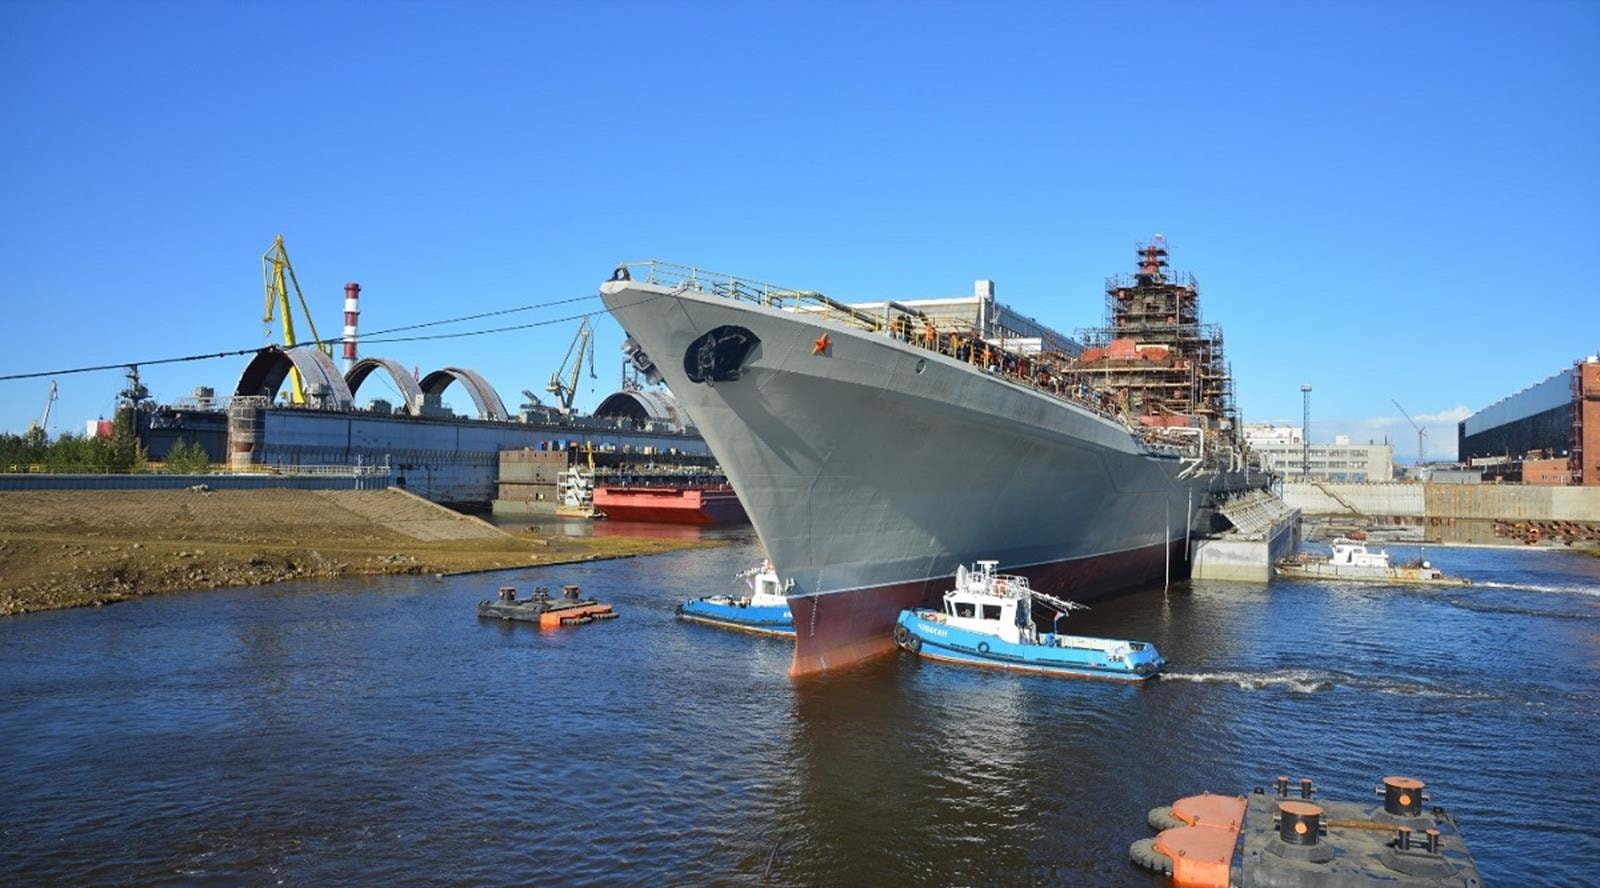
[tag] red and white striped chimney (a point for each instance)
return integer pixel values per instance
(352, 310)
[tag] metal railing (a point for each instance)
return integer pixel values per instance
(356, 471)
(667, 274)
(728, 286)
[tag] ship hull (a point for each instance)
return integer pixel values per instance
(872, 468)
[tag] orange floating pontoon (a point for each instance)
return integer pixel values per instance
(1200, 849)
(575, 616)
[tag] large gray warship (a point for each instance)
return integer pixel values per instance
(878, 446)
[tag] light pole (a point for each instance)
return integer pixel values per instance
(1305, 432)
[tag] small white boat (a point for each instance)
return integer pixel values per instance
(1352, 560)
(987, 620)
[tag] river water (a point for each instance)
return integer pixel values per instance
(378, 732)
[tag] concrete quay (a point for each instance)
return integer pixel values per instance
(1479, 514)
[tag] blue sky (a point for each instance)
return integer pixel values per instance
(1385, 200)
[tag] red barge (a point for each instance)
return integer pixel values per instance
(674, 504)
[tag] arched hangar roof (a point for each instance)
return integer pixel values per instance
(409, 390)
(657, 406)
(483, 394)
(265, 373)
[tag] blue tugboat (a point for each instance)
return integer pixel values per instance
(765, 610)
(987, 620)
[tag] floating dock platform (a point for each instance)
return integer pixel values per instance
(1290, 839)
(670, 504)
(571, 609)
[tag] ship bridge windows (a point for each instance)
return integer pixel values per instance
(991, 612)
(964, 609)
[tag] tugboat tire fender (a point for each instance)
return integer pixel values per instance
(983, 647)
(914, 644)
(1161, 819)
(1144, 853)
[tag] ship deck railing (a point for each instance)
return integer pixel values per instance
(1048, 373)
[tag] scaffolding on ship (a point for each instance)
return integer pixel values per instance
(1166, 366)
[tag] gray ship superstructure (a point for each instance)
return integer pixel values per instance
(878, 447)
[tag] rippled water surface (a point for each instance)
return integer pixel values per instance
(380, 732)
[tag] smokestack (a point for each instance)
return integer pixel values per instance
(352, 310)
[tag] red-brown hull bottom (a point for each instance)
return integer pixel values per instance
(840, 628)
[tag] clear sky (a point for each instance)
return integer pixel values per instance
(1384, 200)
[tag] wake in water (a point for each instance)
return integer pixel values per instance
(1484, 607)
(1591, 591)
(1307, 681)
(1299, 681)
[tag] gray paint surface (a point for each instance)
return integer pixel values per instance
(878, 462)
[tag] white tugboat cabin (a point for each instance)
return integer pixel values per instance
(1354, 554)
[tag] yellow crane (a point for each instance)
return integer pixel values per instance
(43, 425)
(277, 276)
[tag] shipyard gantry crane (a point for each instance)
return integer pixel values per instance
(277, 276)
(1421, 432)
(566, 390)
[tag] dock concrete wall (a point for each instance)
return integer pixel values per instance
(1229, 557)
(1450, 513)
(1396, 499)
(1506, 502)
(1514, 503)
(179, 482)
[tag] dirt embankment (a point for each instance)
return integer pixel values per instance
(67, 548)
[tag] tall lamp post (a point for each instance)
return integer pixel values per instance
(1305, 432)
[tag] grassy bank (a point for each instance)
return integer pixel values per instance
(70, 548)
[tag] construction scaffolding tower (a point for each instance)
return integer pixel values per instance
(1165, 365)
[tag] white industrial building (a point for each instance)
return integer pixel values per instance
(1282, 449)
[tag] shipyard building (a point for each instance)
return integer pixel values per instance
(1282, 449)
(426, 448)
(1546, 434)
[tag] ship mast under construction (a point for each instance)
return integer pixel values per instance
(1165, 366)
